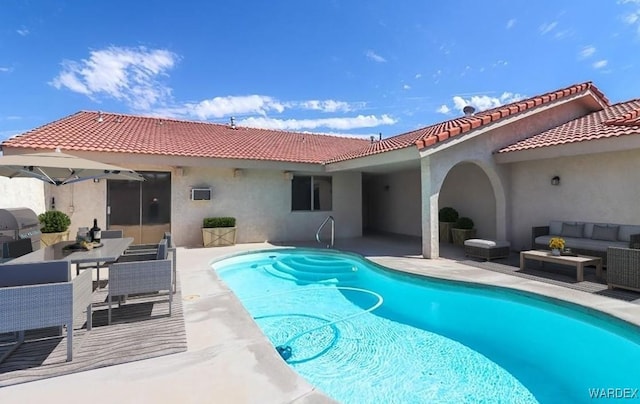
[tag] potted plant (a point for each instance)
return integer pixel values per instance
(557, 245)
(55, 227)
(218, 231)
(462, 230)
(447, 216)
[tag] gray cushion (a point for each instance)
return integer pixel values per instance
(572, 229)
(626, 231)
(583, 243)
(555, 227)
(34, 273)
(608, 233)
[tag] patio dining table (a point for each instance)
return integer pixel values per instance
(110, 251)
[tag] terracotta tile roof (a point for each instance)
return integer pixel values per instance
(613, 121)
(149, 135)
(631, 118)
(430, 135)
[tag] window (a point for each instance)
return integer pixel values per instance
(311, 193)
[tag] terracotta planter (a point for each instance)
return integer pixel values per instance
(445, 231)
(460, 235)
(218, 236)
(47, 239)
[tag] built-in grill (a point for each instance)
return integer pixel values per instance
(19, 223)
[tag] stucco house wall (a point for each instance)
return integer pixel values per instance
(395, 203)
(260, 200)
(468, 190)
(478, 147)
(22, 193)
(597, 187)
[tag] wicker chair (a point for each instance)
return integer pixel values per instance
(153, 248)
(623, 270)
(140, 274)
(42, 294)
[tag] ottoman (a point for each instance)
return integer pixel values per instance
(487, 249)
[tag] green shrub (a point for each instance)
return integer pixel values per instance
(54, 221)
(210, 222)
(464, 223)
(447, 214)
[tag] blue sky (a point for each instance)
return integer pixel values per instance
(358, 67)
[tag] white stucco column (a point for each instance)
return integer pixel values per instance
(430, 191)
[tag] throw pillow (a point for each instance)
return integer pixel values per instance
(607, 233)
(572, 230)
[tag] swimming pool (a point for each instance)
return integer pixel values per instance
(363, 333)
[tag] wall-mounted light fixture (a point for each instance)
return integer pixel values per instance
(96, 180)
(288, 175)
(238, 172)
(555, 180)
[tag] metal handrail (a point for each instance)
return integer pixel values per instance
(333, 230)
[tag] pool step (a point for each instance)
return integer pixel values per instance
(302, 263)
(307, 273)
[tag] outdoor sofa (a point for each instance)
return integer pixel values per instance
(40, 295)
(587, 238)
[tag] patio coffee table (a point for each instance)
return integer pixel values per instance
(577, 261)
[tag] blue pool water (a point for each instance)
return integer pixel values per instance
(366, 334)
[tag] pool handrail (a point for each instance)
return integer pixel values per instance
(333, 230)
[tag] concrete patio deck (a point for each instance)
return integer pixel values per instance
(229, 360)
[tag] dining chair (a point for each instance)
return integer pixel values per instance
(153, 249)
(112, 234)
(141, 274)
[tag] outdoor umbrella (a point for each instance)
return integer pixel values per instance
(59, 168)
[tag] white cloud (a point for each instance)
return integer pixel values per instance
(23, 31)
(325, 105)
(563, 34)
(406, 87)
(419, 75)
(600, 64)
(5, 69)
(360, 121)
(371, 55)
(127, 74)
(587, 51)
(511, 23)
(547, 27)
(219, 107)
(631, 18)
(444, 109)
(484, 102)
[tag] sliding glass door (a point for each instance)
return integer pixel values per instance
(141, 209)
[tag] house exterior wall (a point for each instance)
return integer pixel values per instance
(22, 193)
(599, 188)
(468, 190)
(394, 203)
(82, 201)
(260, 200)
(478, 148)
